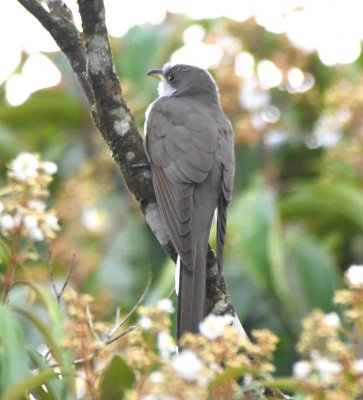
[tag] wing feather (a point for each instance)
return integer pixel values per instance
(228, 169)
(181, 154)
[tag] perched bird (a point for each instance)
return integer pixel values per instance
(189, 141)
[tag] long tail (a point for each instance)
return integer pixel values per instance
(192, 292)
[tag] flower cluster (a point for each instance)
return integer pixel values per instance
(333, 366)
(23, 209)
(82, 334)
(191, 370)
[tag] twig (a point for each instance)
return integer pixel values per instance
(59, 294)
(91, 324)
(119, 324)
(122, 334)
(109, 338)
(96, 353)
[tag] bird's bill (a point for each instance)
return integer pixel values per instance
(157, 73)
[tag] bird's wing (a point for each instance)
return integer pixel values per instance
(181, 144)
(226, 151)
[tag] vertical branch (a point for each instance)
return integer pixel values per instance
(115, 121)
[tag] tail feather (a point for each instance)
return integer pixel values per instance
(192, 293)
(221, 229)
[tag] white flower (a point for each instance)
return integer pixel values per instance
(7, 222)
(156, 377)
(49, 167)
(166, 305)
(358, 366)
(355, 275)
(187, 365)
(1, 207)
(31, 225)
(212, 327)
(36, 205)
(166, 344)
(332, 320)
(30, 222)
(95, 219)
(52, 222)
(25, 166)
(145, 323)
(301, 369)
(36, 234)
(327, 367)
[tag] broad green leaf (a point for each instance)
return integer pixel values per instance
(53, 336)
(277, 263)
(116, 378)
(55, 387)
(44, 331)
(335, 201)
(55, 311)
(14, 361)
(29, 384)
(62, 357)
(312, 272)
(250, 220)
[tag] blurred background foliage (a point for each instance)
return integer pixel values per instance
(296, 220)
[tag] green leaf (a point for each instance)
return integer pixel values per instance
(44, 331)
(4, 254)
(55, 311)
(282, 383)
(277, 264)
(14, 360)
(117, 377)
(333, 201)
(52, 336)
(310, 265)
(250, 220)
(29, 384)
(227, 375)
(55, 387)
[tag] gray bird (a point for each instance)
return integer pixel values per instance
(189, 141)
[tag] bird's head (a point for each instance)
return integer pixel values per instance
(185, 80)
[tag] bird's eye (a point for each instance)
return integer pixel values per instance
(171, 78)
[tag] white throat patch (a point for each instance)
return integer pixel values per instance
(165, 89)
